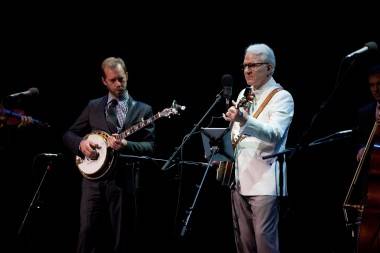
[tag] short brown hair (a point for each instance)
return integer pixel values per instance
(112, 62)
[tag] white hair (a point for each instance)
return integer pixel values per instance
(264, 51)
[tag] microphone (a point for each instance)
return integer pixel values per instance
(52, 155)
(32, 92)
(348, 131)
(333, 137)
(227, 82)
(368, 46)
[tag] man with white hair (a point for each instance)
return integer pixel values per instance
(259, 128)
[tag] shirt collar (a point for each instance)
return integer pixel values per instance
(268, 85)
(124, 98)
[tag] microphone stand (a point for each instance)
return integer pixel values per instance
(216, 146)
(196, 126)
(339, 81)
(191, 208)
(167, 166)
(35, 197)
(180, 162)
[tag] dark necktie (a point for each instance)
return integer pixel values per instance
(112, 121)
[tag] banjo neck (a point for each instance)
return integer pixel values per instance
(138, 126)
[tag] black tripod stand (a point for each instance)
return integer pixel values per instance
(34, 203)
(169, 163)
(220, 145)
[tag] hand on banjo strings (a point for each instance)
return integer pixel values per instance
(116, 143)
(89, 149)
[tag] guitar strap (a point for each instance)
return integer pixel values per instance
(265, 102)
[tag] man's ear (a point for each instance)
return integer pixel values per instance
(104, 81)
(269, 69)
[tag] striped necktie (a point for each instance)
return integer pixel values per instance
(112, 120)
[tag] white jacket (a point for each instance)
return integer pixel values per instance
(263, 136)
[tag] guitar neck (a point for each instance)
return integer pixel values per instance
(138, 126)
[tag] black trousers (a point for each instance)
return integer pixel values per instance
(107, 217)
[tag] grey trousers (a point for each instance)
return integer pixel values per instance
(255, 220)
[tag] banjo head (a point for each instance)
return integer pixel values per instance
(96, 168)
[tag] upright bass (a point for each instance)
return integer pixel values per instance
(366, 227)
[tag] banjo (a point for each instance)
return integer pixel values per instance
(106, 157)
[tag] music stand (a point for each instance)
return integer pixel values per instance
(218, 146)
(217, 138)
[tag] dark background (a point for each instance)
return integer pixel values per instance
(181, 55)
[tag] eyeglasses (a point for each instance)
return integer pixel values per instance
(253, 65)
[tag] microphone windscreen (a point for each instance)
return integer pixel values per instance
(227, 80)
(227, 83)
(33, 91)
(371, 45)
